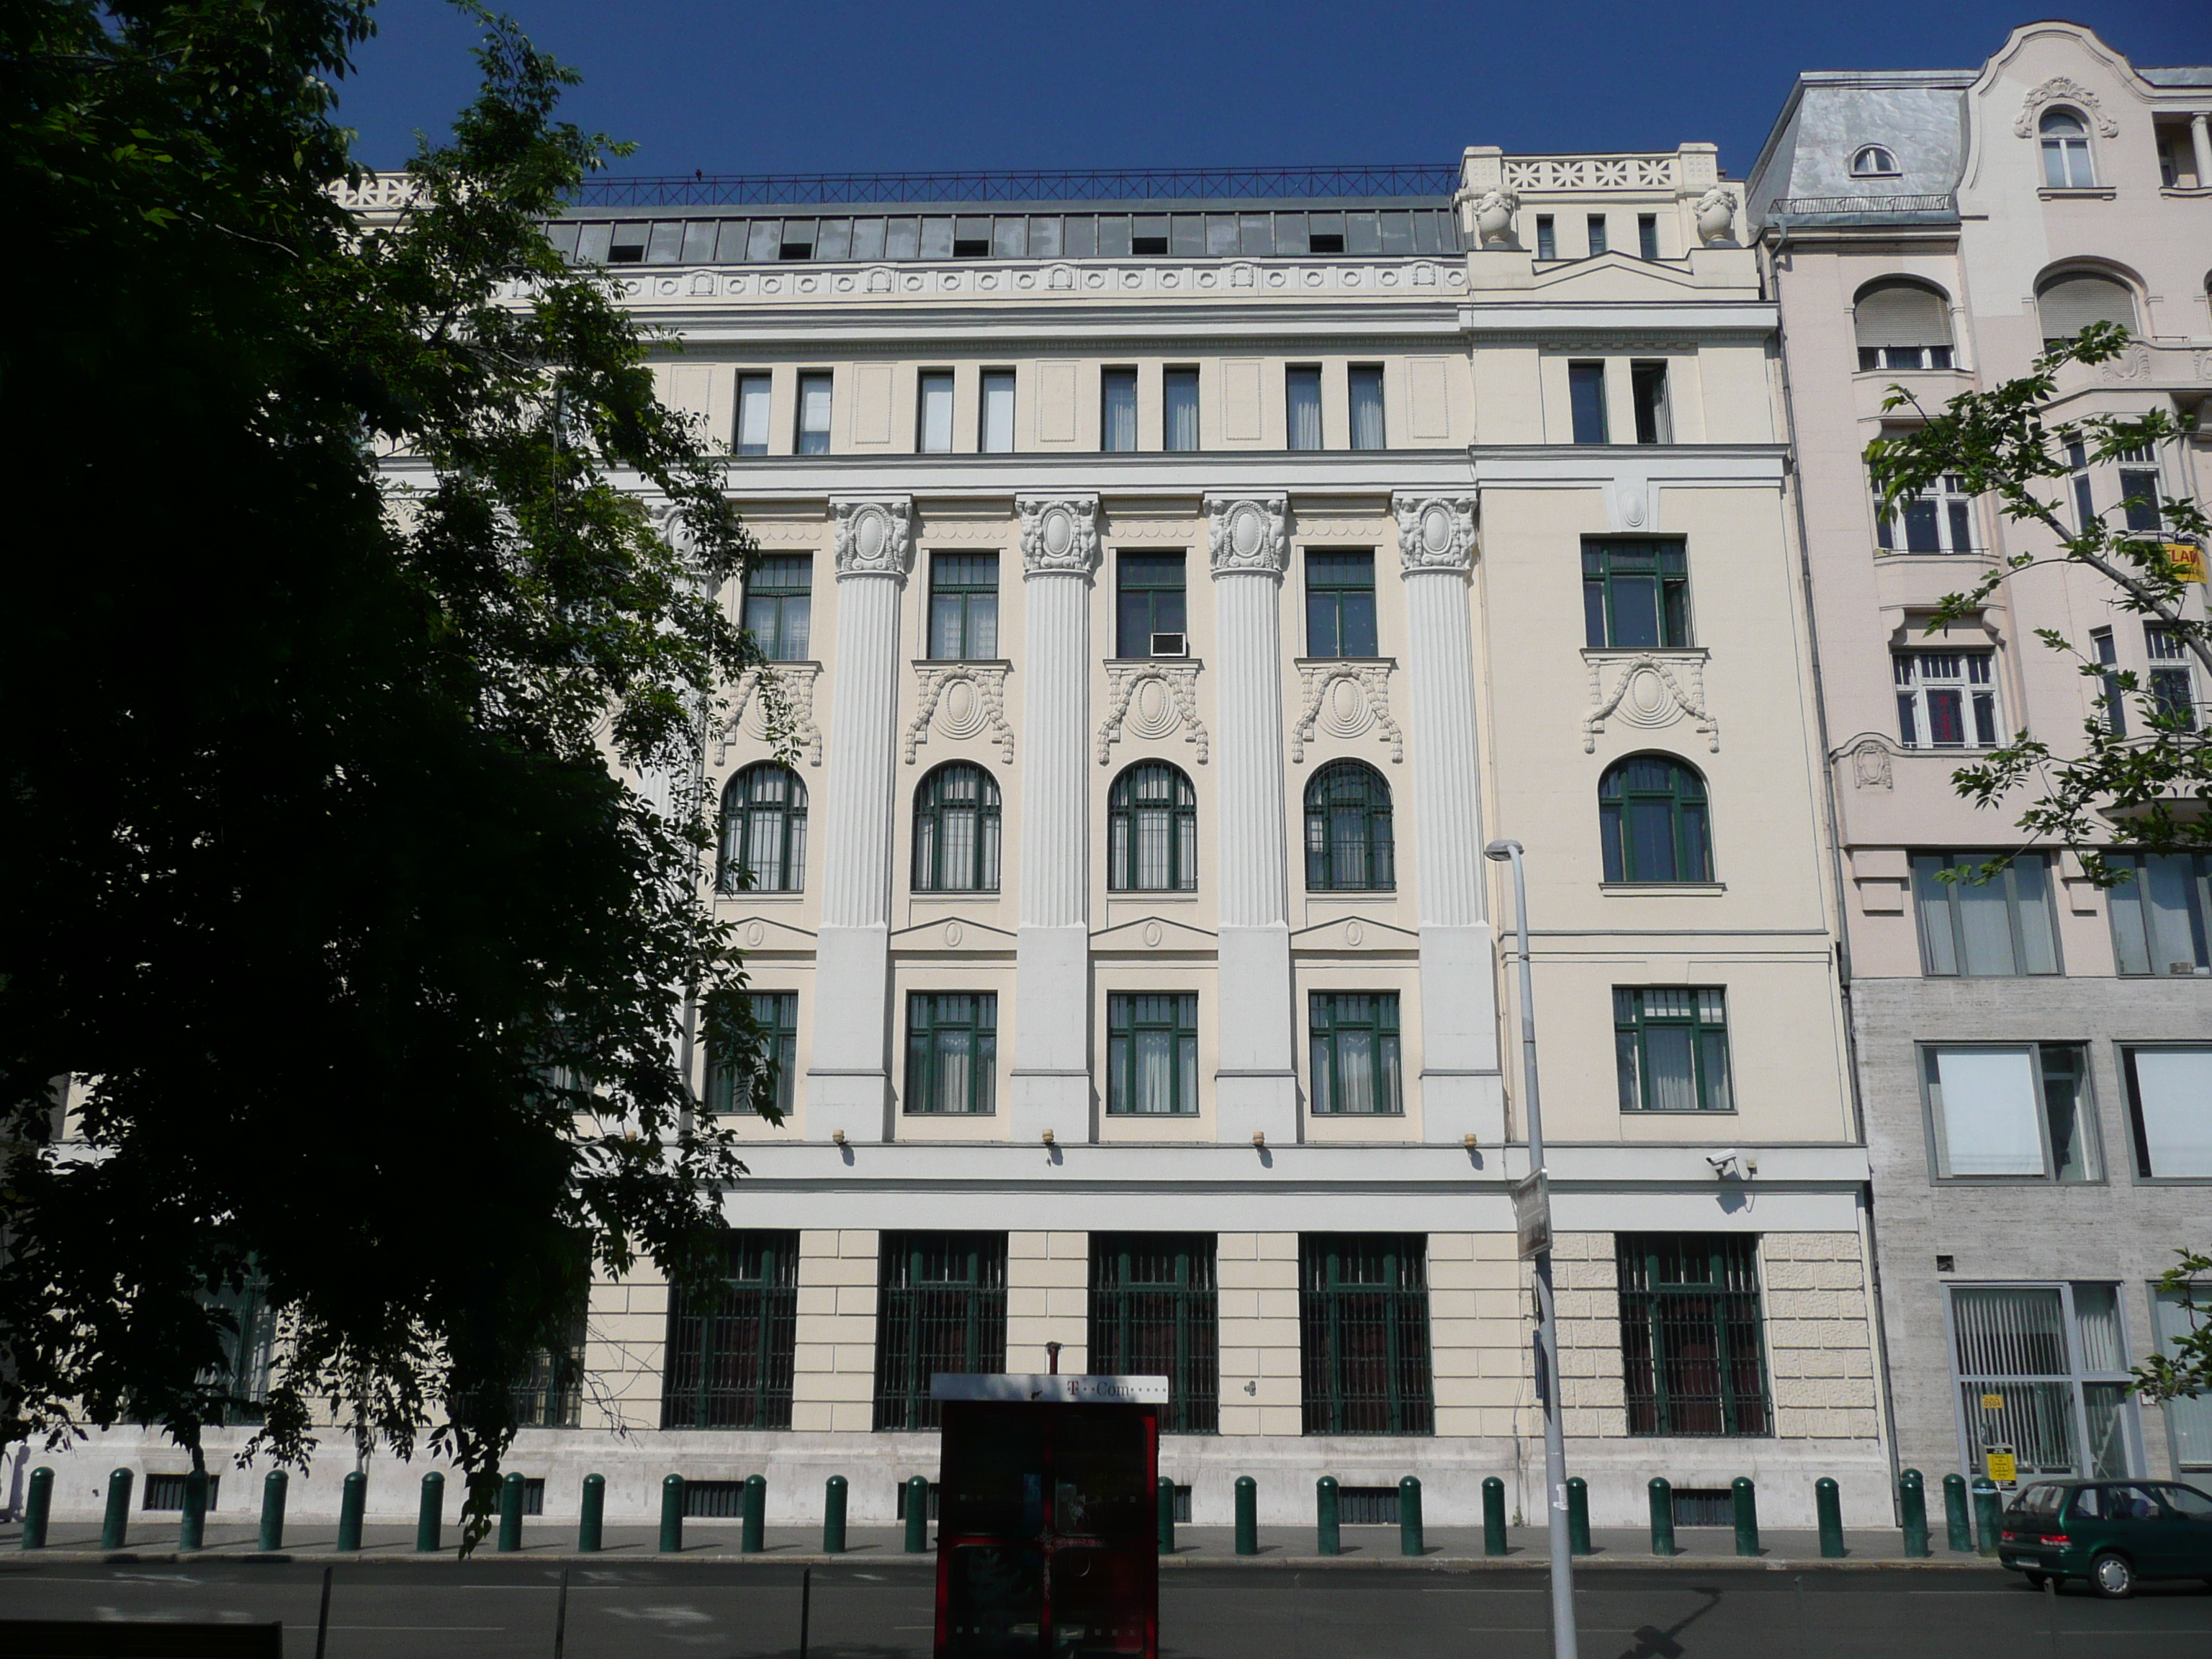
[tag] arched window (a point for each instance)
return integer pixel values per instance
(763, 831)
(1152, 832)
(2066, 160)
(1348, 843)
(2070, 301)
(1873, 161)
(1652, 813)
(1901, 324)
(956, 831)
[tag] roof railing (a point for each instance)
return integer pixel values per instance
(1416, 179)
(1808, 207)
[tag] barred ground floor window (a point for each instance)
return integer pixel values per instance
(1363, 1334)
(731, 1347)
(940, 1306)
(1154, 1313)
(1692, 1351)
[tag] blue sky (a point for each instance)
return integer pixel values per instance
(849, 85)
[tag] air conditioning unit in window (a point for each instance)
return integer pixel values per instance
(1170, 645)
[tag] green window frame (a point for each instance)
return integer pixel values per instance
(1151, 1053)
(956, 830)
(1150, 596)
(2163, 919)
(776, 1014)
(779, 608)
(2000, 929)
(1670, 1049)
(952, 1052)
(1355, 1053)
(763, 831)
(1155, 1311)
(1652, 816)
(940, 1306)
(1341, 604)
(246, 1326)
(964, 607)
(1692, 1348)
(1636, 595)
(733, 1343)
(1363, 1334)
(552, 1395)
(1152, 832)
(1350, 847)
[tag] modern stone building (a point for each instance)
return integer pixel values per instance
(2033, 1055)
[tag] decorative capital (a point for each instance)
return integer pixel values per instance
(1435, 532)
(874, 534)
(1248, 532)
(2059, 87)
(1060, 533)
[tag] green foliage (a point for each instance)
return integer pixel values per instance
(2187, 1371)
(351, 800)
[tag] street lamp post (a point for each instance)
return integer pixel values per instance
(1564, 1644)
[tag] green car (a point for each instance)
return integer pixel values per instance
(2111, 1532)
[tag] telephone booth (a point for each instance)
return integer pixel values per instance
(1047, 1544)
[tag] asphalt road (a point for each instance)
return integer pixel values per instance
(645, 1612)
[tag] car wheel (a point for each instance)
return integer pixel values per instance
(2111, 1577)
(2036, 1580)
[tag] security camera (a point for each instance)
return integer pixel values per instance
(1723, 1164)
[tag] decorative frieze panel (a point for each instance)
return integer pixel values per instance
(1648, 691)
(960, 699)
(1346, 700)
(1152, 701)
(767, 697)
(1581, 173)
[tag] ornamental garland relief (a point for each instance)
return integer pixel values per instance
(960, 699)
(770, 701)
(874, 535)
(2071, 92)
(1345, 700)
(1152, 701)
(1649, 691)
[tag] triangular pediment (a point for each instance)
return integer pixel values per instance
(1148, 934)
(953, 933)
(770, 933)
(1615, 276)
(1355, 934)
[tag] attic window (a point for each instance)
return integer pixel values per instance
(1873, 161)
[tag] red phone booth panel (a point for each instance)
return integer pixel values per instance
(1047, 1544)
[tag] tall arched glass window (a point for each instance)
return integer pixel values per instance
(763, 831)
(1152, 832)
(1652, 813)
(956, 831)
(1348, 841)
(2066, 160)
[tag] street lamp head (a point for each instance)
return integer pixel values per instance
(1501, 850)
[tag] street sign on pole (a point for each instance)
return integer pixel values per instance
(1531, 1213)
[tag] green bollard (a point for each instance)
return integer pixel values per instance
(1248, 1515)
(38, 1504)
(1828, 1500)
(1577, 1516)
(115, 1526)
(1663, 1516)
(1989, 1512)
(353, 1504)
(1411, 1538)
(671, 1514)
(432, 1515)
(510, 1513)
(1747, 1515)
(592, 1522)
(191, 1525)
(1493, 1516)
(1166, 1517)
(833, 1515)
(1328, 1540)
(1959, 1531)
(917, 1516)
(751, 1540)
(1913, 1501)
(273, 1490)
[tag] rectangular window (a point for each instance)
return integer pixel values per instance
(1903, 357)
(730, 1076)
(752, 414)
(940, 1306)
(1692, 1349)
(2172, 687)
(1946, 699)
(731, 1346)
(2170, 1106)
(2053, 1359)
(1598, 243)
(952, 1052)
(1339, 604)
(1117, 412)
(1547, 240)
(1355, 1053)
(933, 417)
(1647, 235)
(2139, 492)
(964, 607)
(1654, 424)
(1940, 520)
(2162, 918)
(1154, 1312)
(2085, 498)
(1636, 595)
(1671, 1049)
(814, 414)
(1586, 397)
(248, 1354)
(1151, 1054)
(1303, 422)
(1363, 1334)
(1367, 406)
(779, 603)
(996, 435)
(166, 1492)
(2011, 1114)
(2180, 1313)
(552, 1395)
(1148, 603)
(2112, 698)
(1179, 409)
(1998, 927)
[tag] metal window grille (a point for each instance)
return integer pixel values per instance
(780, 598)
(1671, 1049)
(1350, 848)
(1636, 595)
(1691, 1351)
(730, 1075)
(731, 1347)
(1354, 1061)
(1704, 1506)
(1367, 1506)
(533, 1494)
(952, 1052)
(248, 1337)
(1651, 818)
(1152, 832)
(956, 831)
(714, 1500)
(1364, 1332)
(552, 1395)
(940, 1306)
(1339, 603)
(166, 1492)
(763, 831)
(1154, 1312)
(928, 1508)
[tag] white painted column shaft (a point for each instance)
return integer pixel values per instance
(2200, 141)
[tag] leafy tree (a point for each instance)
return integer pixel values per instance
(350, 803)
(2187, 1371)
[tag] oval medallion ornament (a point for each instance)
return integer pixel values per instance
(754, 934)
(1245, 531)
(1437, 530)
(1152, 933)
(1354, 933)
(868, 538)
(1059, 532)
(953, 933)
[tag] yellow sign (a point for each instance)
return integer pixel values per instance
(2000, 1464)
(1992, 1402)
(2186, 561)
